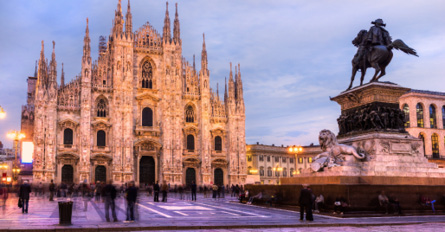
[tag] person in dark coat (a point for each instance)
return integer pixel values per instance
(109, 195)
(156, 191)
(132, 194)
(24, 191)
(164, 190)
(52, 188)
(306, 203)
(193, 188)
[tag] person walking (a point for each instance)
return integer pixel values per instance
(25, 190)
(306, 203)
(215, 191)
(156, 191)
(52, 187)
(132, 194)
(193, 188)
(109, 195)
(164, 190)
(5, 195)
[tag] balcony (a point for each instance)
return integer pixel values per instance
(101, 149)
(147, 131)
(66, 147)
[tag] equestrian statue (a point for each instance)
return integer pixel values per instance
(375, 50)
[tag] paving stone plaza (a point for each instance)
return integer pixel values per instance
(225, 214)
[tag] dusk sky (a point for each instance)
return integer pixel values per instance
(293, 54)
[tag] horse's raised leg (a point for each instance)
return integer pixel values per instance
(382, 73)
(363, 76)
(376, 66)
(354, 71)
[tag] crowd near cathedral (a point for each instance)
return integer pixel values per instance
(139, 112)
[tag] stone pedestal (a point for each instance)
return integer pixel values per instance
(373, 125)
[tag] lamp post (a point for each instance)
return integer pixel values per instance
(278, 169)
(295, 150)
(16, 136)
(2, 113)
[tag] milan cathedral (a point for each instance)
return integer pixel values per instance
(139, 112)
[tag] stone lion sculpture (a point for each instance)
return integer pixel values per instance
(332, 152)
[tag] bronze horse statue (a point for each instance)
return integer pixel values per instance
(378, 57)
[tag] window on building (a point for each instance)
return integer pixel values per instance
(101, 138)
(435, 145)
(422, 137)
(291, 173)
(284, 172)
(147, 75)
(269, 171)
(419, 112)
(443, 117)
(218, 145)
(261, 158)
(283, 159)
(190, 142)
(300, 160)
(277, 159)
(147, 117)
(406, 112)
(68, 136)
(291, 160)
(433, 122)
(309, 160)
(268, 158)
(102, 108)
(261, 171)
(189, 114)
(249, 158)
(277, 173)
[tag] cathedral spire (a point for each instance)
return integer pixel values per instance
(62, 78)
(239, 85)
(53, 64)
(217, 90)
(35, 70)
(86, 45)
(231, 84)
(204, 61)
(194, 67)
(166, 33)
(128, 22)
(118, 26)
(176, 30)
(225, 89)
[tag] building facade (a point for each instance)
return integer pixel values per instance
(139, 112)
(271, 163)
(425, 119)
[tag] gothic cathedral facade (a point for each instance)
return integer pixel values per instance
(139, 112)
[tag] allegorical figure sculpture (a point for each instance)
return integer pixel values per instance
(375, 50)
(333, 152)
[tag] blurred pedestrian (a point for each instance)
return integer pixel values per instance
(215, 190)
(193, 188)
(52, 187)
(85, 188)
(132, 193)
(306, 203)
(164, 190)
(5, 195)
(156, 191)
(109, 195)
(24, 191)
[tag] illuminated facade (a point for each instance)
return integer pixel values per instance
(139, 112)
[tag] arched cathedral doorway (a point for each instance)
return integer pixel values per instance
(101, 173)
(218, 176)
(67, 174)
(190, 176)
(147, 173)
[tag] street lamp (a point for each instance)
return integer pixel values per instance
(16, 136)
(2, 113)
(295, 150)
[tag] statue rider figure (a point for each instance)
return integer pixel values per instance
(365, 40)
(377, 35)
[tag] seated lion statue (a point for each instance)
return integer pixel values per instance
(332, 152)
